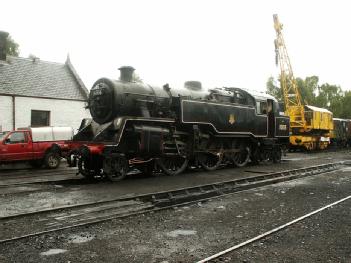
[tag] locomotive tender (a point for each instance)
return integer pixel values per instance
(135, 124)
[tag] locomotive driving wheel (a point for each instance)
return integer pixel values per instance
(173, 165)
(85, 169)
(255, 156)
(241, 158)
(210, 161)
(116, 168)
(277, 155)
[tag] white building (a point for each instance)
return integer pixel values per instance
(40, 93)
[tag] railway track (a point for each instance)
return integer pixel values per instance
(70, 180)
(218, 257)
(65, 175)
(37, 223)
(32, 176)
(18, 173)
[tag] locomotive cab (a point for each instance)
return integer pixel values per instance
(277, 123)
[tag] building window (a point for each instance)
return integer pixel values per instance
(40, 118)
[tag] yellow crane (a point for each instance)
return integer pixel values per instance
(310, 126)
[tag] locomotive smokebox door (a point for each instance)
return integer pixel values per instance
(151, 139)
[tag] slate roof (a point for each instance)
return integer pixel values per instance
(37, 78)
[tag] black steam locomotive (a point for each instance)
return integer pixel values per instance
(138, 125)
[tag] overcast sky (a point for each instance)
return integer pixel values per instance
(221, 43)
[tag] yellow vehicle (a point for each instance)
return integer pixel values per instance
(310, 127)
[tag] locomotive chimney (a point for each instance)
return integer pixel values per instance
(193, 85)
(126, 73)
(3, 38)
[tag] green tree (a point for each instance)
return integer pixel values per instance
(308, 89)
(326, 96)
(273, 89)
(12, 48)
(345, 109)
(330, 97)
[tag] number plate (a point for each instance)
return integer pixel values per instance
(97, 92)
(282, 127)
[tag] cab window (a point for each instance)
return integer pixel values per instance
(261, 107)
(16, 137)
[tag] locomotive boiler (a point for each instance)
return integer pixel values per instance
(146, 127)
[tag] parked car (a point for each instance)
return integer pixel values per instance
(38, 146)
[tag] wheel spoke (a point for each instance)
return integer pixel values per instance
(116, 168)
(172, 165)
(210, 161)
(241, 158)
(85, 169)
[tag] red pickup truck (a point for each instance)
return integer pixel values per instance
(38, 146)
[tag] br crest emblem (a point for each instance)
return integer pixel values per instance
(231, 119)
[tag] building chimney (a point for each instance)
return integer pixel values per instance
(3, 38)
(126, 73)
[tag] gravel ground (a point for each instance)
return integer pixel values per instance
(325, 237)
(190, 233)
